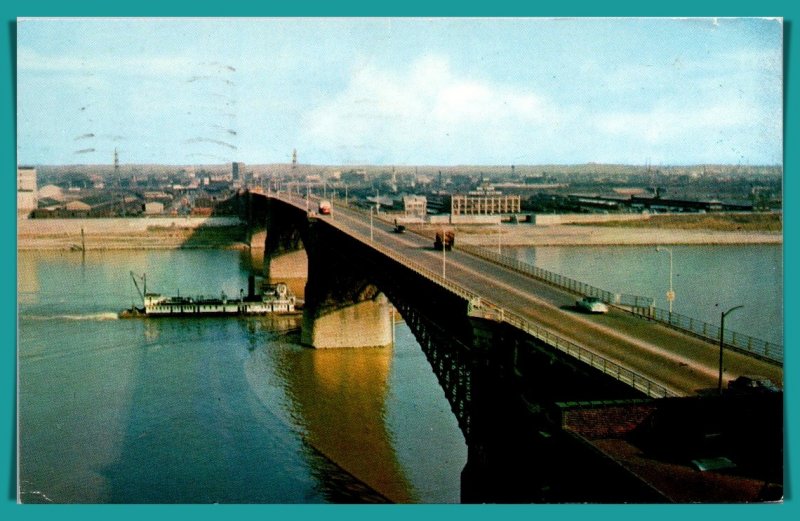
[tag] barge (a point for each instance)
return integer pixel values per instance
(274, 299)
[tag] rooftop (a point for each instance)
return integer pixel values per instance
(713, 449)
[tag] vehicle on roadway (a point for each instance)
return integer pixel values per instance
(444, 240)
(749, 384)
(591, 305)
(324, 207)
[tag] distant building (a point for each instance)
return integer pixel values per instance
(153, 208)
(354, 177)
(26, 179)
(77, 206)
(484, 204)
(439, 202)
(415, 205)
(237, 171)
(26, 189)
(51, 192)
(202, 212)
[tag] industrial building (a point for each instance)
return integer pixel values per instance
(237, 172)
(594, 203)
(484, 204)
(415, 205)
(27, 199)
(153, 208)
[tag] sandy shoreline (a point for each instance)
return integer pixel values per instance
(566, 235)
(130, 234)
(141, 234)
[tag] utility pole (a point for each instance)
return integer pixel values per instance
(444, 255)
(722, 342)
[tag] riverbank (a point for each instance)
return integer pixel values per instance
(229, 233)
(159, 233)
(585, 235)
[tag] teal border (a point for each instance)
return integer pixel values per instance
(788, 9)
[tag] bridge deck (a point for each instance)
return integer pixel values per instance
(683, 364)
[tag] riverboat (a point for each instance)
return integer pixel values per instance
(274, 298)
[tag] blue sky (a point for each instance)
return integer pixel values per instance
(400, 91)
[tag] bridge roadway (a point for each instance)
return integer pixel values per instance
(681, 363)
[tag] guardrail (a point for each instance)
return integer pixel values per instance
(640, 306)
(561, 281)
(478, 302)
(635, 380)
(746, 344)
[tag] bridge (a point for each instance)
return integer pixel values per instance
(490, 331)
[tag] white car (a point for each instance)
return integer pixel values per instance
(591, 305)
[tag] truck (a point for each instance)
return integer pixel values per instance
(324, 207)
(444, 240)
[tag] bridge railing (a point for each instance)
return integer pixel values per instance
(635, 380)
(559, 280)
(640, 306)
(479, 303)
(740, 342)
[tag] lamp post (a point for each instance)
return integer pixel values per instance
(371, 236)
(670, 293)
(722, 342)
(499, 251)
(444, 255)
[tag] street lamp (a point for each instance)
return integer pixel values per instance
(444, 255)
(670, 293)
(371, 236)
(722, 342)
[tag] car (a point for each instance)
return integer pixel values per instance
(750, 384)
(591, 305)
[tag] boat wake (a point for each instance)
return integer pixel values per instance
(89, 316)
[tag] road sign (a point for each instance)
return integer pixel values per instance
(670, 296)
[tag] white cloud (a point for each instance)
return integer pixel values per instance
(425, 113)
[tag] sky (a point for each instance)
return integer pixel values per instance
(400, 91)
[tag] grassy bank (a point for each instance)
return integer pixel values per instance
(723, 222)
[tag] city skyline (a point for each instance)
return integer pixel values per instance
(400, 91)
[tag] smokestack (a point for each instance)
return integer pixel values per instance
(251, 286)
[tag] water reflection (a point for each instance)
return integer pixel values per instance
(336, 398)
(228, 410)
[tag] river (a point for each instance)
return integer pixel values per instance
(217, 409)
(706, 279)
(234, 410)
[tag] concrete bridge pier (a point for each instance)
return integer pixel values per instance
(284, 251)
(359, 324)
(343, 307)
